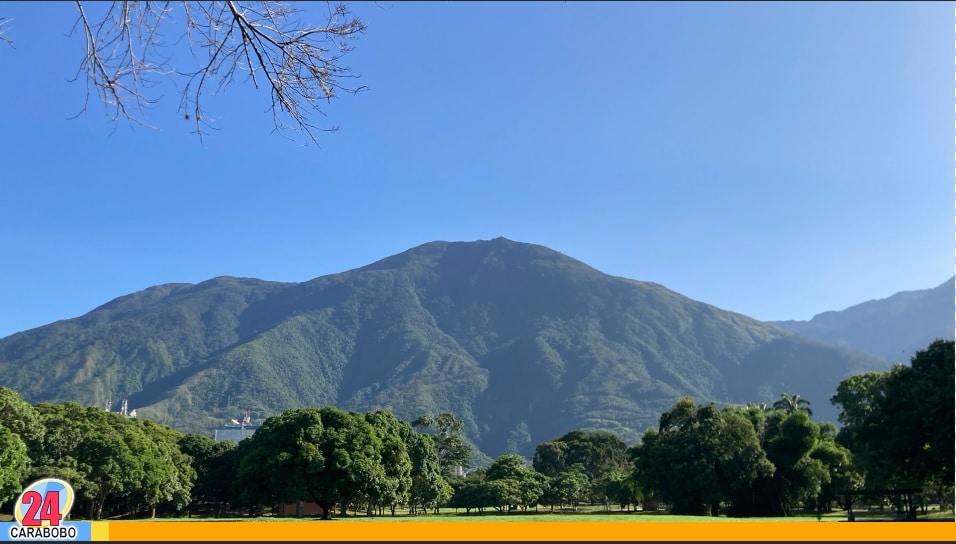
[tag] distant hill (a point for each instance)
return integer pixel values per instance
(521, 342)
(892, 328)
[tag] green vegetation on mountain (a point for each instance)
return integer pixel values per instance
(521, 343)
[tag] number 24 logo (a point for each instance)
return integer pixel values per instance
(44, 503)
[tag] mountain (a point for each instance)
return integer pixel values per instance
(892, 328)
(521, 342)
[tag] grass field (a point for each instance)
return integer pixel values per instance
(595, 514)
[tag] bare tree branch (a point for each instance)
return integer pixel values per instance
(300, 64)
(4, 22)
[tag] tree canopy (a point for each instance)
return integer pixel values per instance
(700, 457)
(448, 434)
(899, 424)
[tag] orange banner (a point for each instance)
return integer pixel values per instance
(533, 531)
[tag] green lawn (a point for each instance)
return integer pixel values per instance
(598, 516)
(586, 514)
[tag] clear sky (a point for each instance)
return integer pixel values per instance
(775, 159)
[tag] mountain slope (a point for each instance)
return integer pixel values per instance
(521, 342)
(893, 328)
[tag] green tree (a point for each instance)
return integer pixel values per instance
(741, 460)
(571, 486)
(428, 485)
(599, 452)
(57, 455)
(251, 488)
(550, 458)
(918, 417)
(899, 424)
(328, 456)
(798, 476)
(858, 397)
(20, 418)
(350, 446)
(550, 494)
(214, 472)
(841, 472)
(369, 485)
(282, 461)
(396, 461)
(114, 463)
(791, 403)
(453, 451)
(106, 457)
(14, 464)
(168, 474)
(471, 492)
(114, 468)
(507, 466)
(502, 494)
(621, 488)
(518, 478)
(699, 458)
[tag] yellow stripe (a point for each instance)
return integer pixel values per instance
(99, 531)
(552, 531)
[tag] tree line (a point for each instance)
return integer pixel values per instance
(752, 460)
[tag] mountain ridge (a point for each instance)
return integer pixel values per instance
(892, 328)
(521, 342)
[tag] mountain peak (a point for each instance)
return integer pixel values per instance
(497, 252)
(520, 341)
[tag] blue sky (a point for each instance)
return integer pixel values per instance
(775, 159)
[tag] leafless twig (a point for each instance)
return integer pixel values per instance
(3, 29)
(300, 64)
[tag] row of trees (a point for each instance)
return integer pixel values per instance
(897, 433)
(114, 463)
(752, 460)
(748, 461)
(127, 466)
